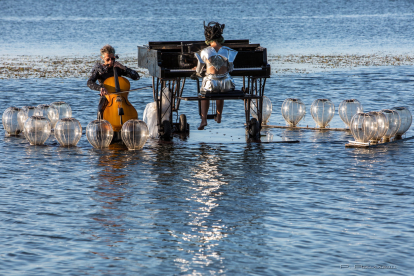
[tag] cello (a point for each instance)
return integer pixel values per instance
(119, 109)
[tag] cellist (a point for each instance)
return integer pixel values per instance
(101, 72)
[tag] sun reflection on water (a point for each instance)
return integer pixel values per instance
(207, 228)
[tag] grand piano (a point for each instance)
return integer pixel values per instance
(170, 63)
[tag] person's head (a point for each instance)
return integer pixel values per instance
(214, 32)
(108, 55)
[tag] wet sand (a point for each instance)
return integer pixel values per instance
(17, 67)
(318, 63)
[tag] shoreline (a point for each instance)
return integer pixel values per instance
(26, 66)
(282, 64)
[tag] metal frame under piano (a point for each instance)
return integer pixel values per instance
(170, 63)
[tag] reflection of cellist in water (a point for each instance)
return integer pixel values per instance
(101, 72)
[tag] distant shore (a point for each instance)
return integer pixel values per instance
(316, 63)
(22, 67)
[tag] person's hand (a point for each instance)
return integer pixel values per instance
(104, 91)
(119, 65)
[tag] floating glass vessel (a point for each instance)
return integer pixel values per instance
(293, 111)
(64, 109)
(394, 123)
(266, 110)
(134, 134)
(37, 130)
(11, 122)
(347, 109)
(406, 120)
(363, 127)
(99, 133)
(322, 111)
(50, 112)
(68, 132)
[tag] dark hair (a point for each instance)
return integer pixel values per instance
(213, 32)
(107, 49)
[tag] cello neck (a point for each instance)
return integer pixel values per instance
(116, 80)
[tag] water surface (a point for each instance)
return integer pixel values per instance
(48, 28)
(185, 208)
(191, 208)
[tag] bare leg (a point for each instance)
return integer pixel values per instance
(205, 104)
(220, 105)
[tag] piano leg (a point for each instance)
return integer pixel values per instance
(164, 126)
(255, 86)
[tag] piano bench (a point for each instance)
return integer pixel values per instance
(229, 95)
(232, 93)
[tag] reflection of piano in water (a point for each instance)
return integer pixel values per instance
(170, 63)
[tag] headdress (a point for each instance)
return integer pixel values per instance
(213, 31)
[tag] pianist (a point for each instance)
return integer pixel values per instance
(101, 72)
(219, 62)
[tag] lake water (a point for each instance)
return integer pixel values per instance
(185, 208)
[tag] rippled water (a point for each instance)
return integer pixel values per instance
(189, 208)
(34, 27)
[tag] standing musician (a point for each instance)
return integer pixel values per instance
(101, 72)
(219, 60)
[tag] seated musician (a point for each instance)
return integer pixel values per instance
(219, 60)
(101, 72)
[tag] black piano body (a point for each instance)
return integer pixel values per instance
(170, 63)
(162, 59)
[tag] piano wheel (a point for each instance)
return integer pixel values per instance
(166, 134)
(254, 129)
(183, 123)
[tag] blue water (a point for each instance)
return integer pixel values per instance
(186, 208)
(43, 27)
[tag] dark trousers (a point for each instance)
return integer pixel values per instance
(103, 102)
